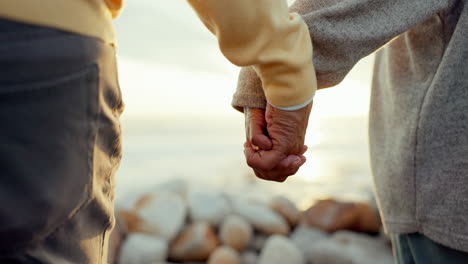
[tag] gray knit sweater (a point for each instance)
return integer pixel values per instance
(419, 103)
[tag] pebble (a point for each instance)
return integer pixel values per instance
(143, 249)
(279, 250)
(235, 232)
(224, 255)
(209, 207)
(286, 208)
(162, 215)
(305, 238)
(195, 243)
(261, 217)
(346, 247)
(130, 220)
(368, 219)
(331, 215)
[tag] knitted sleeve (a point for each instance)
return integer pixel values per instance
(342, 33)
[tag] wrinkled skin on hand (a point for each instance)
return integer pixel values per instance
(279, 135)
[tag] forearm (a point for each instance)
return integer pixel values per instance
(264, 35)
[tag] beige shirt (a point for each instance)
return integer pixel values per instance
(264, 35)
(87, 17)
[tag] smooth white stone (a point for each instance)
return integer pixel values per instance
(235, 232)
(346, 247)
(208, 207)
(279, 250)
(261, 217)
(305, 238)
(163, 215)
(195, 243)
(143, 249)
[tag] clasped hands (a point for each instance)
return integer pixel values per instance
(275, 148)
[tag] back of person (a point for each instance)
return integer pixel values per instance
(60, 134)
(419, 128)
(419, 105)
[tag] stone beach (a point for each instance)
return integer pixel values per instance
(173, 225)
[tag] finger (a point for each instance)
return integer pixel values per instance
(292, 161)
(282, 175)
(262, 141)
(262, 160)
(257, 128)
(279, 172)
(266, 177)
(279, 175)
(289, 161)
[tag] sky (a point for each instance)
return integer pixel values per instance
(170, 65)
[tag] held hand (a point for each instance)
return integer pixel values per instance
(275, 141)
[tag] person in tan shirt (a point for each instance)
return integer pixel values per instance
(60, 105)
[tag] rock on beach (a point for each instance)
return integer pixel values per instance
(280, 250)
(261, 217)
(284, 207)
(235, 232)
(208, 207)
(195, 243)
(161, 215)
(224, 255)
(143, 249)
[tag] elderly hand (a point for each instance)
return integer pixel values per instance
(275, 141)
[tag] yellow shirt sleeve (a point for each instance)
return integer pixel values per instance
(263, 34)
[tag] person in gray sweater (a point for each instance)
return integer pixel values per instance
(418, 115)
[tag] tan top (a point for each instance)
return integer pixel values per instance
(258, 33)
(263, 34)
(88, 17)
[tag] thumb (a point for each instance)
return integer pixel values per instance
(264, 160)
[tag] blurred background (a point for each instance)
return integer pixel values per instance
(178, 122)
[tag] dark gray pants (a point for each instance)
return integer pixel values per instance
(59, 145)
(419, 249)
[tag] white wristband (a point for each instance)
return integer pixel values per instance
(294, 107)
